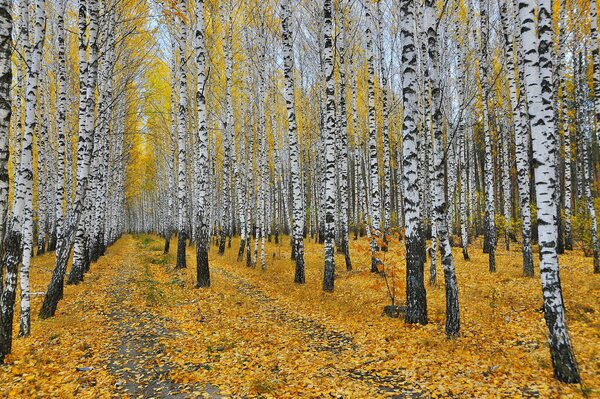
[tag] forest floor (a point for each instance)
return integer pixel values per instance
(137, 328)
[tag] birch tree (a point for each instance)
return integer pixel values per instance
(490, 207)
(227, 26)
(328, 277)
(416, 299)
(202, 268)
(536, 52)
(596, 62)
(182, 220)
(521, 134)
(5, 111)
(439, 156)
(6, 26)
(88, 80)
(375, 208)
(342, 142)
(297, 199)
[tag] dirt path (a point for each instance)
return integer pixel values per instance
(140, 362)
(320, 337)
(389, 383)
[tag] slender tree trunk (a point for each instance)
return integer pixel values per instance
(490, 208)
(227, 25)
(464, 230)
(567, 198)
(462, 153)
(439, 199)
(543, 139)
(87, 113)
(596, 59)
(240, 178)
(416, 296)
(88, 80)
(521, 133)
(6, 26)
(202, 244)
(385, 128)
(328, 277)
(431, 191)
(181, 143)
(298, 203)
(375, 207)
(171, 156)
(343, 142)
(5, 112)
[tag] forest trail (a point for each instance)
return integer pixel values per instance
(333, 342)
(136, 328)
(139, 362)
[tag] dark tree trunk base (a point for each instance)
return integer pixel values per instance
(375, 262)
(202, 270)
(248, 254)
(222, 241)
(41, 248)
(466, 254)
(528, 264)
(241, 250)
(181, 244)
(12, 258)
(167, 245)
(568, 243)
(416, 295)
(299, 277)
(52, 241)
(76, 274)
(492, 260)
(563, 359)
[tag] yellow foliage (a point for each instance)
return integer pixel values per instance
(257, 334)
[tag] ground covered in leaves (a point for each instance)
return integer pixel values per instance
(137, 328)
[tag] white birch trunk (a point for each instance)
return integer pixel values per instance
(182, 219)
(26, 164)
(416, 296)
(297, 198)
(202, 267)
(490, 207)
(521, 140)
(440, 207)
(5, 112)
(374, 196)
(330, 131)
(543, 140)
